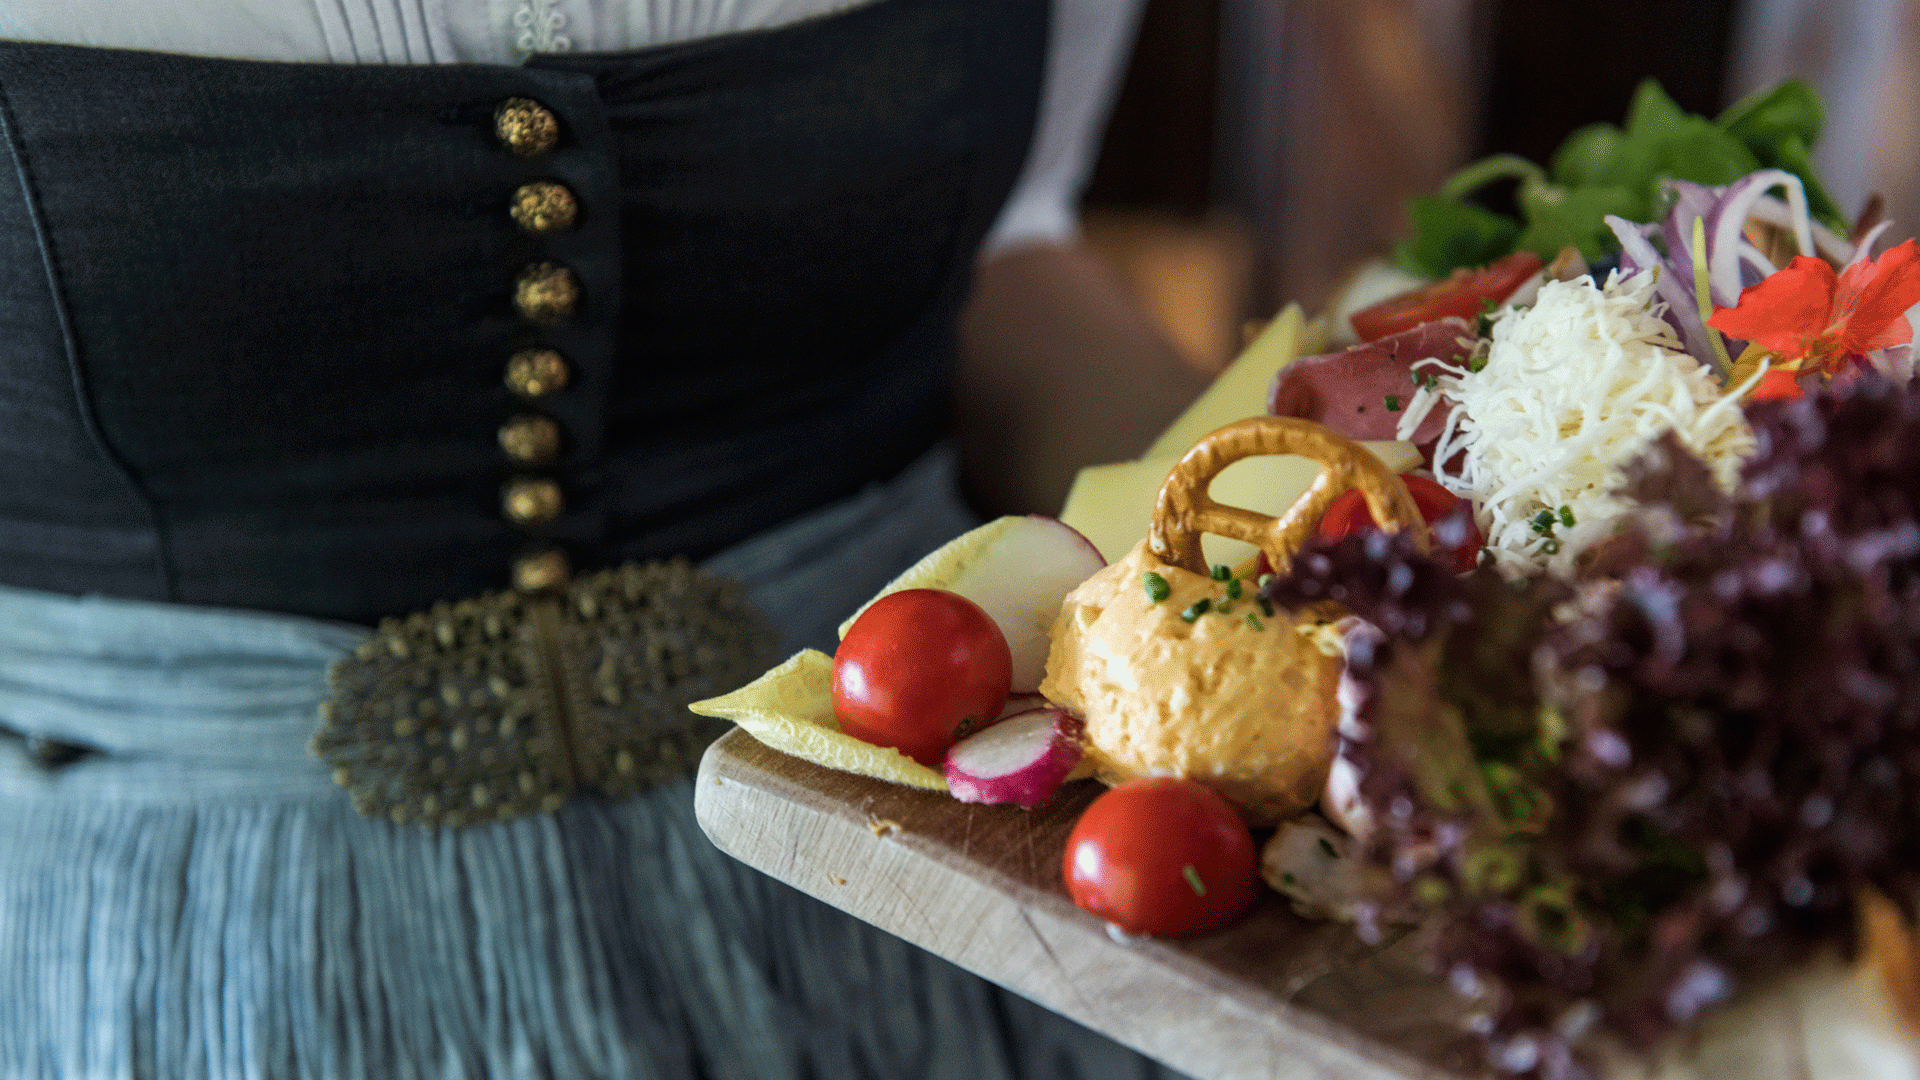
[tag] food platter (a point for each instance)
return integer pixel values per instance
(1273, 996)
(1577, 759)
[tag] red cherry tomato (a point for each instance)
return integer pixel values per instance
(1162, 856)
(1459, 293)
(1349, 515)
(919, 670)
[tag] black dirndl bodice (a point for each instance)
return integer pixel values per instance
(345, 340)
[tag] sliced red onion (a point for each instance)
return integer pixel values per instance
(1673, 288)
(1775, 212)
(1729, 216)
(1865, 249)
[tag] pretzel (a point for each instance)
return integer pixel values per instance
(1184, 510)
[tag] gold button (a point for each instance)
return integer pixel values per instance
(544, 206)
(533, 373)
(530, 440)
(531, 500)
(546, 292)
(526, 127)
(541, 571)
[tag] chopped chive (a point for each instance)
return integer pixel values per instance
(1220, 572)
(1196, 609)
(1156, 586)
(1543, 521)
(1193, 880)
(1326, 848)
(1224, 607)
(1266, 607)
(1254, 621)
(1233, 589)
(1477, 364)
(1566, 516)
(1393, 402)
(1550, 547)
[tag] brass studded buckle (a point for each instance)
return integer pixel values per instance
(505, 705)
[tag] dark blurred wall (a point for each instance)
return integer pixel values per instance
(1158, 151)
(1555, 66)
(1312, 120)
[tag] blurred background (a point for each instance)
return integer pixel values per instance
(1260, 149)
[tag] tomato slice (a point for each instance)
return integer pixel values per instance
(1162, 856)
(1349, 515)
(1458, 294)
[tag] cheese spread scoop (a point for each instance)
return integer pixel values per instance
(1177, 673)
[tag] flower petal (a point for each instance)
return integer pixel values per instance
(1872, 301)
(1778, 384)
(1784, 311)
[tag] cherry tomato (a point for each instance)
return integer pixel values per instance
(1162, 856)
(1459, 293)
(919, 670)
(1349, 515)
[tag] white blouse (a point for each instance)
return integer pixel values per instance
(1090, 40)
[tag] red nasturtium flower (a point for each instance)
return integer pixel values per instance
(1824, 320)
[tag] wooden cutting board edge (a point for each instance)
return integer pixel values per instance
(979, 887)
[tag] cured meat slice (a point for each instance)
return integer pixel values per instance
(1360, 392)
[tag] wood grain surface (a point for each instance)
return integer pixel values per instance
(1275, 996)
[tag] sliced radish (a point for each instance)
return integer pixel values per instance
(1022, 759)
(1021, 578)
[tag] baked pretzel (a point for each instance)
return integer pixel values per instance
(1184, 510)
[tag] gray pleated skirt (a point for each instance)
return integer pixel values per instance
(197, 899)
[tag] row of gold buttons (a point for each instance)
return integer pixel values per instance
(544, 293)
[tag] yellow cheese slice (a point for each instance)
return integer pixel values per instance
(1111, 504)
(791, 709)
(1241, 390)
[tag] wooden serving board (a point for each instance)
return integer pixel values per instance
(1273, 996)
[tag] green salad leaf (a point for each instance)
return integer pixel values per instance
(1602, 169)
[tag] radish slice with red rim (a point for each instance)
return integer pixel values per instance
(1023, 759)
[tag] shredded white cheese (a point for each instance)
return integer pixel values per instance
(1571, 390)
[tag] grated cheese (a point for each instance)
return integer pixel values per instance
(1571, 390)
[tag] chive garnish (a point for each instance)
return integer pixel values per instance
(1196, 609)
(1326, 848)
(1477, 364)
(1193, 880)
(1393, 402)
(1233, 589)
(1566, 516)
(1220, 572)
(1254, 621)
(1156, 586)
(1550, 547)
(1266, 607)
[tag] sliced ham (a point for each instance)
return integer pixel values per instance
(1348, 391)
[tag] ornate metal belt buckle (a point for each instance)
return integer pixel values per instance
(503, 706)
